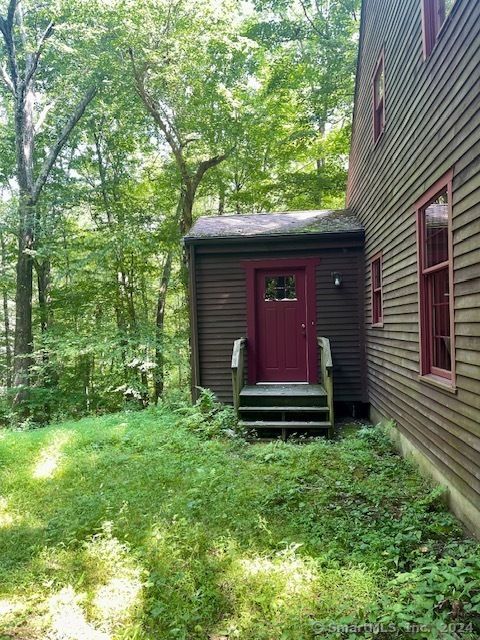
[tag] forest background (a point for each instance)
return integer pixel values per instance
(121, 121)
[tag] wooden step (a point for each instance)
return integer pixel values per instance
(290, 390)
(283, 395)
(286, 408)
(278, 424)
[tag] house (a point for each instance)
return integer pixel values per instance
(414, 183)
(292, 285)
(380, 302)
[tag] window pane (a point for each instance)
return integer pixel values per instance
(376, 273)
(280, 288)
(439, 292)
(379, 85)
(436, 231)
(377, 307)
(447, 7)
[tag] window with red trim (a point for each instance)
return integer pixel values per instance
(377, 292)
(379, 99)
(435, 13)
(435, 285)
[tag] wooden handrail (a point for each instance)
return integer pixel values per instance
(238, 361)
(326, 365)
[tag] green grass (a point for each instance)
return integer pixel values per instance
(134, 526)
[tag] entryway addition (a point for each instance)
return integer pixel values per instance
(272, 296)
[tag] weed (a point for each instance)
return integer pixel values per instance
(161, 524)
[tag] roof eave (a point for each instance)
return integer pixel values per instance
(278, 237)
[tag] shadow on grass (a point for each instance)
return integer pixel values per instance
(141, 529)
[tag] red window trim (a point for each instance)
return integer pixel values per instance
(378, 128)
(426, 369)
(432, 25)
(373, 259)
(310, 265)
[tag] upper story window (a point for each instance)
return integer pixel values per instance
(435, 13)
(436, 281)
(377, 291)
(379, 99)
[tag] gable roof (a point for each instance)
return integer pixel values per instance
(274, 224)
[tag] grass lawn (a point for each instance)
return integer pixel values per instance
(134, 526)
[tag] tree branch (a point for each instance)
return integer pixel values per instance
(42, 117)
(6, 28)
(60, 142)
(309, 19)
(162, 123)
(12, 7)
(7, 81)
(205, 165)
(33, 63)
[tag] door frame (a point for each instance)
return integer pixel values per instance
(309, 265)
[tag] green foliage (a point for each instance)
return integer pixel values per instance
(209, 418)
(141, 525)
(263, 82)
(441, 594)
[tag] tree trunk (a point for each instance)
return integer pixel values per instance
(8, 348)
(187, 198)
(6, 319)
(49, 376)
(23, 349)
(44, 282)
(319, 164)
(221, 200)
(159, 327)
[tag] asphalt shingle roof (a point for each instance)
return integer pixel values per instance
(275, 224)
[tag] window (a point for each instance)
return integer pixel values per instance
(377, 293)
(434, 238)
(435, 13)
(280, 288)
(379, 99)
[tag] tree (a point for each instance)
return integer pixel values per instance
(188, 95)
(19, 76)
(206, 107)
(310, 50)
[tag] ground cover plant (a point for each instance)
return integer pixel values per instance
(166, 524)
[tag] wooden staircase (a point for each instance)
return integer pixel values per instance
(289, 408)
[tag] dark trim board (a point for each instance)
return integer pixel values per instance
(339, 239)
(192, 291)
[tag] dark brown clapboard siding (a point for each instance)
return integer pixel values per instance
(221, 314)
(432, 124)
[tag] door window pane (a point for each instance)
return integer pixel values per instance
(280, 287)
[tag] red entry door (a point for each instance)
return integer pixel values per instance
(281, 325)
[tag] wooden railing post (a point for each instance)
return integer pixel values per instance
(238, 361)
(327, 376)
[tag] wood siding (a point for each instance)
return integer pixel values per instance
(221, 313)
(432, 125)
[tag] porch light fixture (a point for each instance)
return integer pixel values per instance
(337, 279)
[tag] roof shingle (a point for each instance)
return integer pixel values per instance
(275, 224)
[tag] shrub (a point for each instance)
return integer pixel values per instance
(209, 418)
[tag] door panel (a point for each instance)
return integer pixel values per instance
(281, 322)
